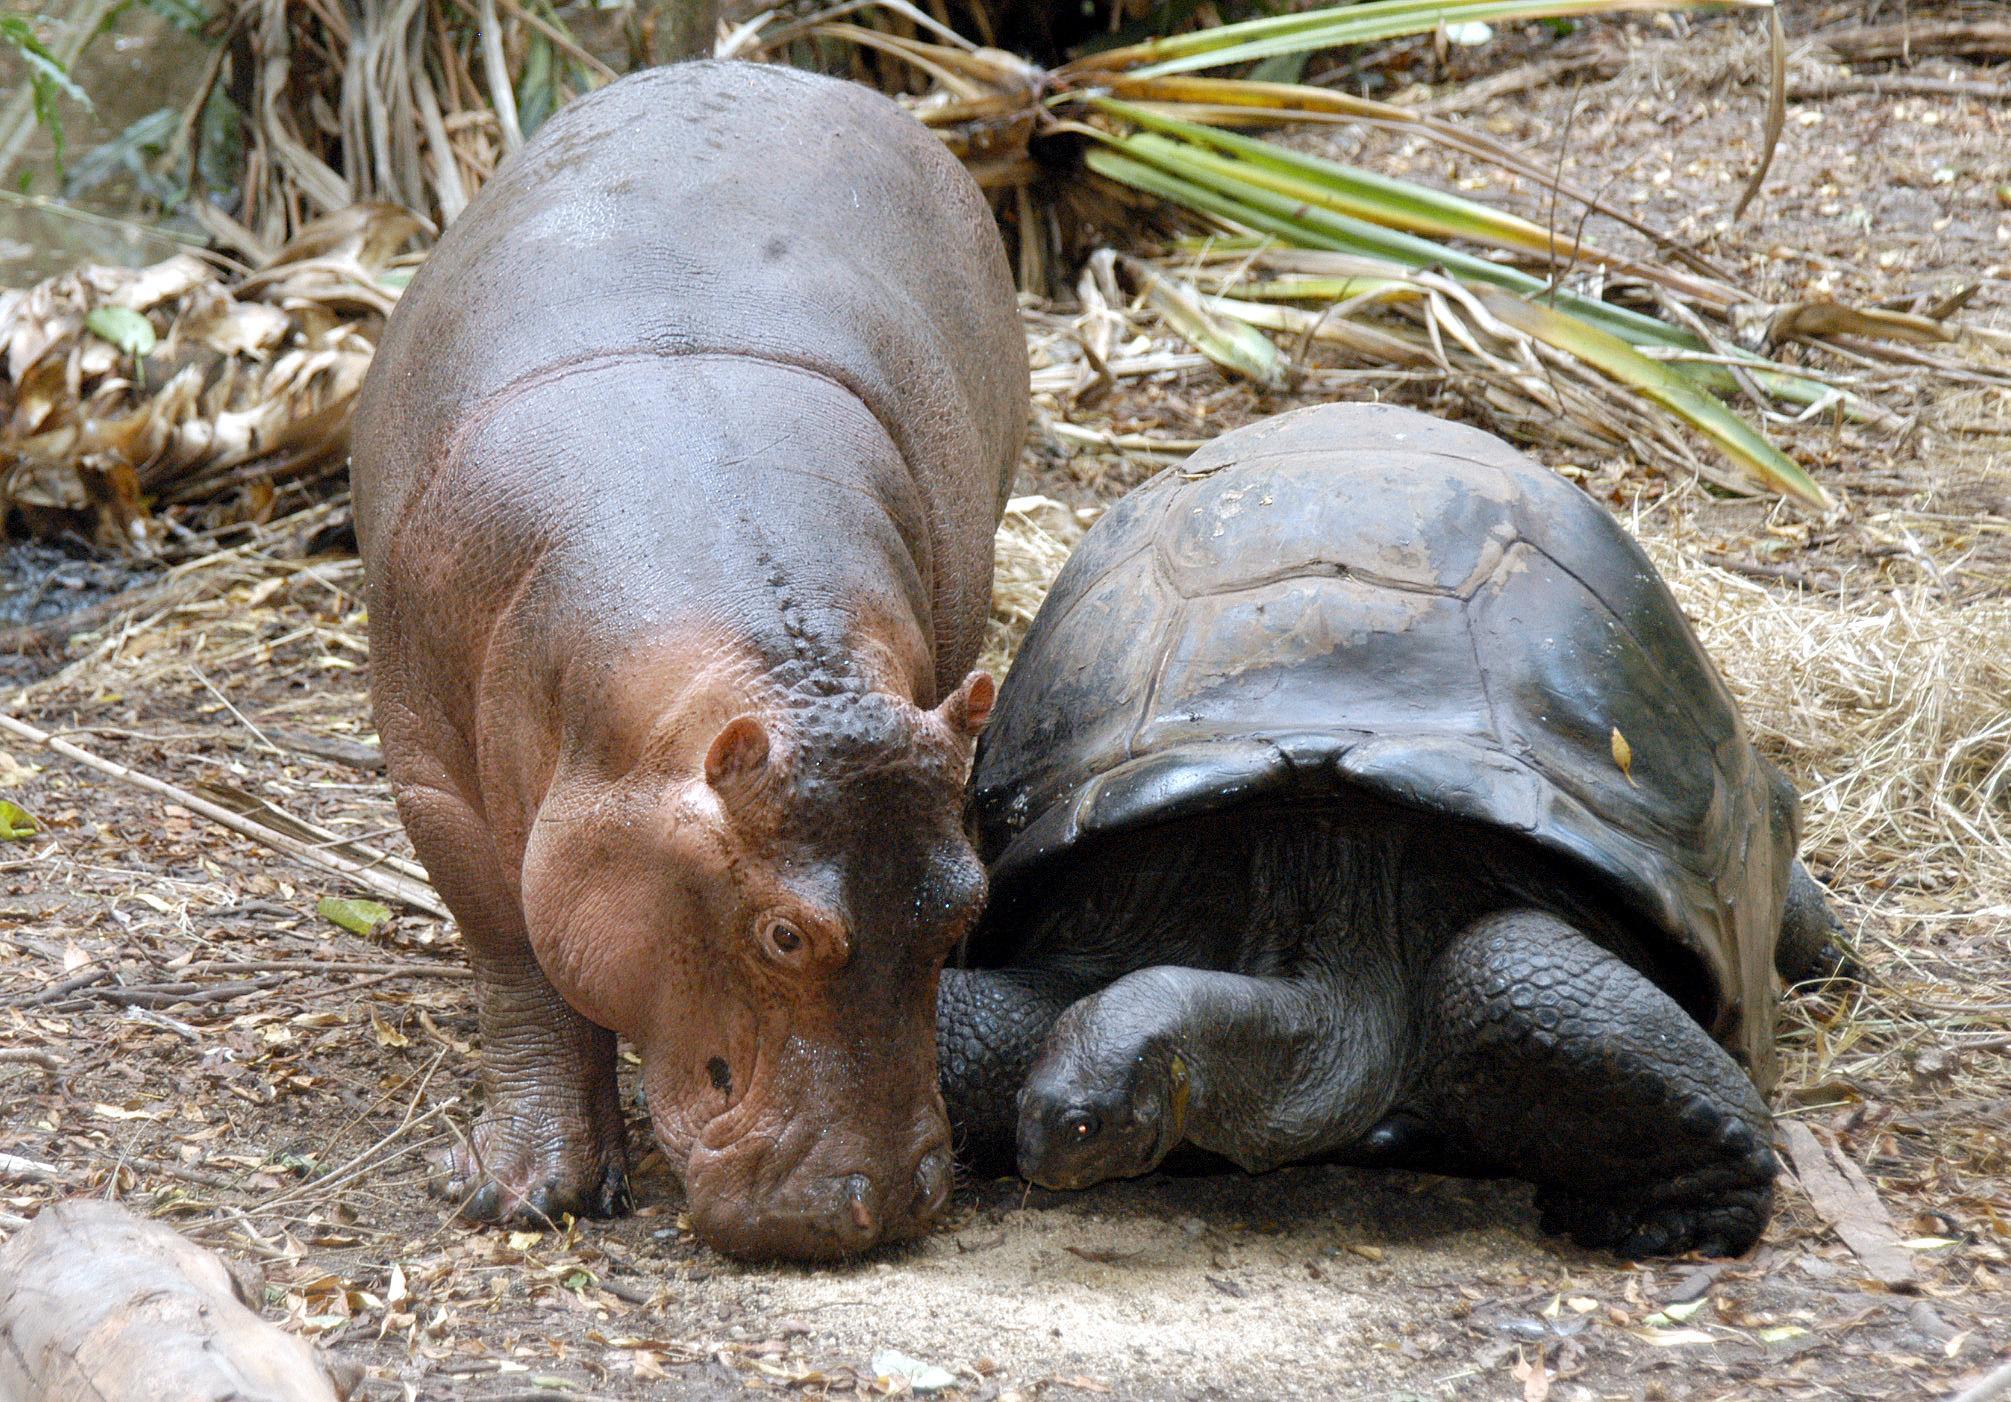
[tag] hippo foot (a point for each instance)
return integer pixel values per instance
(499, 1174)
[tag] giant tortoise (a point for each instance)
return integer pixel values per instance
(1361, 794)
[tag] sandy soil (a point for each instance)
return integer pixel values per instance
(287, 1122)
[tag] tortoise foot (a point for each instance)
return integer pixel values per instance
(508, 1171)
(1725, 1223)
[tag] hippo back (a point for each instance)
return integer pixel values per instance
(1357, 598)
(711, 209)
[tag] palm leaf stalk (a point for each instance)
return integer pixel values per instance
(1149, 120)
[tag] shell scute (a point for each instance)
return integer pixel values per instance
(1295, 655)
(1366, 517)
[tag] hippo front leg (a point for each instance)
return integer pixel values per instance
(550, 1139)
(1263, 1071)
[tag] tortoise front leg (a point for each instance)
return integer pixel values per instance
(1566, 1066)
(990, 1024)
(1263, 1071)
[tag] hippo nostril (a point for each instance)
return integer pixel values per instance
(932, 1182)
(858, 1192)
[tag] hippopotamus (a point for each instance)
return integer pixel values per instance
(676, 476)
(1361, 793)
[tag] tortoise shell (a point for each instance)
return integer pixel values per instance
(1363, 598)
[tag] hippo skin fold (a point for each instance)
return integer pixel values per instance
(676, 477)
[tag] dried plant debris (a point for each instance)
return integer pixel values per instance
(129, 391)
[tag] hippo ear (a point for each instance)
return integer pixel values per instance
(737, 752)
(970, 705)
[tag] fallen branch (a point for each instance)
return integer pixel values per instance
(1899, 85)
(404, 889)
(416, 969)
(55, 992)
(28, 1056)
(168, 995)
(353, 753)
(1985, 39)
(95, 1302)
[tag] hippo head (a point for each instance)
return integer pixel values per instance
(768, 933)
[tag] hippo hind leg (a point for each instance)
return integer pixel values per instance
(1566, 1066)
(551, 1139)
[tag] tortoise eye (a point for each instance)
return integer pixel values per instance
(784, 940)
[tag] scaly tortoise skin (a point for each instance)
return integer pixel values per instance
(1361, 793)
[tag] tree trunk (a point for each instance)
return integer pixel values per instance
(97, 1304)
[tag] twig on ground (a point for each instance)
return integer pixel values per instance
(398, 887)
(1910, 40)
(30, 1056)
(417, 968)
(56, 991)
(1899, 85)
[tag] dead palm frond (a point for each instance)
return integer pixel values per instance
(124, 390)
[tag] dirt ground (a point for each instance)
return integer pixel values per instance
(222, 1056)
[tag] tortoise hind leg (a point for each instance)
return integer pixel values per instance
(1562, 1063)
(1812, 947)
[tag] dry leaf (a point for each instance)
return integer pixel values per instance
(1534, 1377)
(1623, 754)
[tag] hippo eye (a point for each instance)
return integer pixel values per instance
(783, 938)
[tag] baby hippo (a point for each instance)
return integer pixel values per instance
(676, 477)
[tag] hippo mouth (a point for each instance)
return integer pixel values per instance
(776, 1177)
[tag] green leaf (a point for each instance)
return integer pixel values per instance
(185, 15)
(40, 62)
(537, 88)
(130, 154)
(1612, 356)
(1271, 203)
(220, 144)
(47, 78)
(1364, 194)
(17, 824)
(1274, 204)
(1284, 68)
(1337, 25)
(123, 327)
(357, 917)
